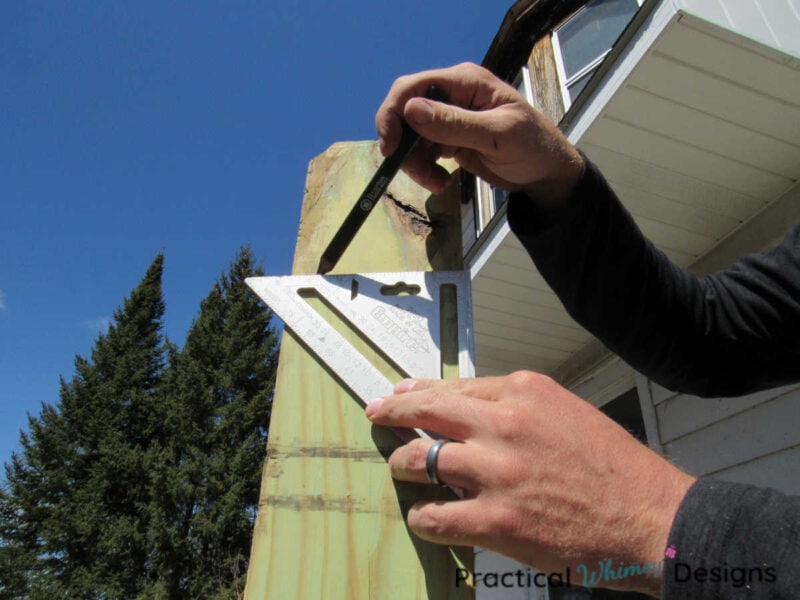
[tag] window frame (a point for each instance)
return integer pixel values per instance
(563, 81)
(486, 206)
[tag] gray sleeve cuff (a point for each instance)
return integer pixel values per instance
(732, 540)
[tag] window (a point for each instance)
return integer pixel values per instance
(489, 197)
(523, 83)
(580, 44)
(583, 41)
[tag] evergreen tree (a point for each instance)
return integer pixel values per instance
(74, 495)
(142, 482)
(206, 478)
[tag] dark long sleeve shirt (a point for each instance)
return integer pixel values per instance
(725, 334)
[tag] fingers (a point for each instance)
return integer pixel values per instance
(470, 127)
(421, 166)
(466, 85)
(456, 523)
(454, 408)
(450, 415)
(452, 126)
(483, 388)
(453, 464)
(389, 118)
(447, 151)
(486, 126)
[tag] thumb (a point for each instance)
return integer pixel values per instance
(451, 125)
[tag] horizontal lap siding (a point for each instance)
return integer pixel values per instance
(780, 470)
(697, 143)
(754, 438)
(683, 414)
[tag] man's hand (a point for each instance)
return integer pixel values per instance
(486, 126)
(548, 479)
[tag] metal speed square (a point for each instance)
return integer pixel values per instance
(420, 321)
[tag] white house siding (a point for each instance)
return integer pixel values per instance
(771, 22)
(751, 439)
(700, 130)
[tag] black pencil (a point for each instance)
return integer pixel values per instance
(372, 193)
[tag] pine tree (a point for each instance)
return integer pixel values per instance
(206, 487)
(143, 480)
(74, 495)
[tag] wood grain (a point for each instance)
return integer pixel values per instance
(331, 520)
(544, 80)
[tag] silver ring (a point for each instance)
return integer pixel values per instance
(431, 466)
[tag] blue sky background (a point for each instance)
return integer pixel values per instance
(127, 128)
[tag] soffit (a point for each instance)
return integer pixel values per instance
(701, 135)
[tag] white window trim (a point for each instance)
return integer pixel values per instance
(563, 82)
(527, 84)
(484, 196)
(562, 74)
(482, 205)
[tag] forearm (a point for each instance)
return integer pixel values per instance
(710, 336)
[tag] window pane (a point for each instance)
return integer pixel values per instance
(500, 196)
(593, 31)
(576, 86)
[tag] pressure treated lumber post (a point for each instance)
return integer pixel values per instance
(331, 520)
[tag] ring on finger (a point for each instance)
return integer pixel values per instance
(432, 460)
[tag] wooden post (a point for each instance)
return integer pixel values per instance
(331, 520)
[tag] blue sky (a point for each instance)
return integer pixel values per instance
(127, 128)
